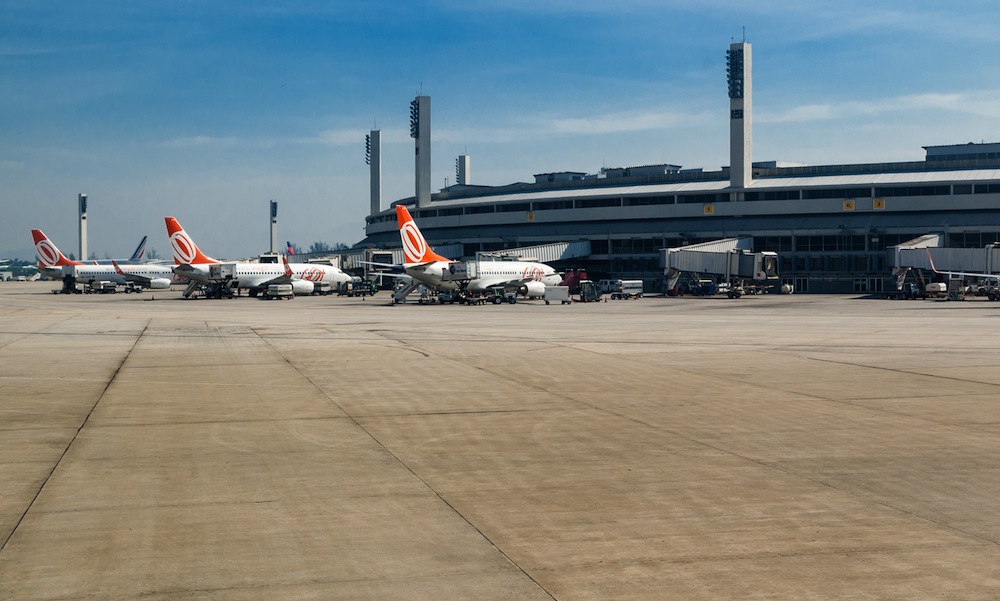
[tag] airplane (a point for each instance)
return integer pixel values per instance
(153, 275)
(51, 263)
(425, 266)
(191, 263)
(135, 258)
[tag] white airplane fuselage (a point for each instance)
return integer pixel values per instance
(531, 276)
(160, 276)
(432, 274)
(318, 272)
(256, 276)
(244, 274)
(507, 273)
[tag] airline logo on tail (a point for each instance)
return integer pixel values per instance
(415, 247)
(48, 254)
(140, 250)
(185, 251)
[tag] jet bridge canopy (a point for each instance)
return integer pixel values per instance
(731, 259)
(918, 253)
(543, 253)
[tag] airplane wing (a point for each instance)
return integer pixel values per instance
(145, 281)
(390, 274)
(132, 277)
(395, 266)
(507, 284)
(285, 278)
(420, 266)
(188, 272)
(281, 279)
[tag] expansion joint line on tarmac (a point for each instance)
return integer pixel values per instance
(773, 466)
(404, 464)
(72, 440)
(825, 399)
(19, 336)
(901, 371)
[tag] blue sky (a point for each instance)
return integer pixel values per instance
(207, 110)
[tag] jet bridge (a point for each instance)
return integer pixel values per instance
(543, 253)
(918, 253)
(925, 253)
(731, 261)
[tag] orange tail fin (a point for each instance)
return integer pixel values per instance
(186, 252)
(48, 254)
(415, 247)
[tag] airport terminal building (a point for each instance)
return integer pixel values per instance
(831, 225)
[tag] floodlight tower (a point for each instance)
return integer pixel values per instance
(420, 131)
(463, 170)
(82, 198)
(373, 156)
(274, 226)
(738, 74)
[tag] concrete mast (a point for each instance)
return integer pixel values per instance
(274, 226)
(738, 70)
(463, 170)
(82, 199)
(373, 156)
(420, 131)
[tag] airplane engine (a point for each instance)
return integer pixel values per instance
(159, 283)
(532, 290)
(302, 287)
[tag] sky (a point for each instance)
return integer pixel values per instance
(206, 111)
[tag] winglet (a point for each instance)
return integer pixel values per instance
(288, 270)
(186, 252)
(415, 247)
(118, 269)
(48, 255)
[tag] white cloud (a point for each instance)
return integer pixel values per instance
(190, 141)
(354, 137)
(982, 103)
(543, 126)
(808, 112)
(622, 122)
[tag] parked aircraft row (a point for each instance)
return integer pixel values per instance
(421, 266)
(51, 262)
(196, 266)
(191, 266)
